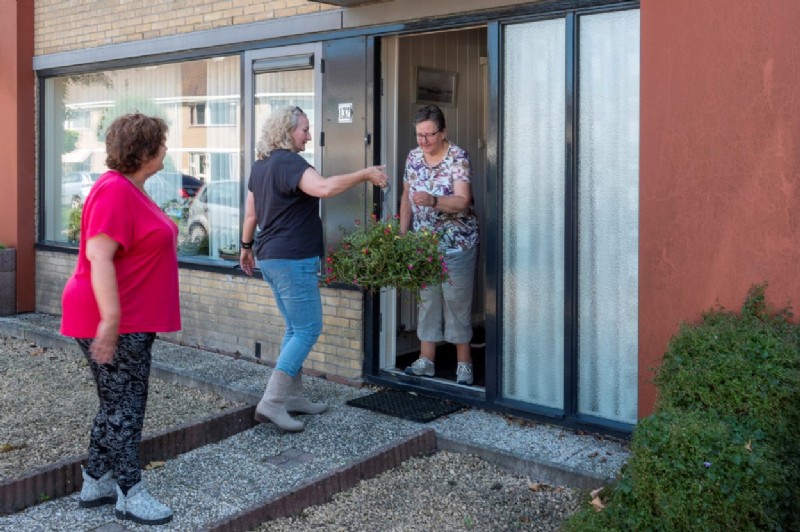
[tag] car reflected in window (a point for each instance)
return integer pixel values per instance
(76, 186)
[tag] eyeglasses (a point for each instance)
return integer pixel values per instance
(297, 111)
(427, 136)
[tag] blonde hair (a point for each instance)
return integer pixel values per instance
(276, 133)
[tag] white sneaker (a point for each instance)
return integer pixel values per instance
(422, 367)
(464, 373)
(98, 492)
(140, 507)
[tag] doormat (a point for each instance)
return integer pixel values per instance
(406, 405)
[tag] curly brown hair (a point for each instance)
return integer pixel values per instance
(132, 140)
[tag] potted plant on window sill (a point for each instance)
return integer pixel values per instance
(8, 280)
(228, 253)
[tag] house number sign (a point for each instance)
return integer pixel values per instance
(345, 113)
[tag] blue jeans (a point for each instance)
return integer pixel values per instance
(295, 285)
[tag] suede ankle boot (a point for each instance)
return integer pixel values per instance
(296, 403)
(97, 492)
(272, 406)
(140, 507)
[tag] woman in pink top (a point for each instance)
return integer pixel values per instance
(124, 290)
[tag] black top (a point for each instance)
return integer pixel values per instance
(288, 218)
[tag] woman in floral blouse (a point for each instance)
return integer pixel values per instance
(437, 196)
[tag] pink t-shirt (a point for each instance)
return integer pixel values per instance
(146, 262)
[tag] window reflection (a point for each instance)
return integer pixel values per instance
(274, 90)
(201, 103)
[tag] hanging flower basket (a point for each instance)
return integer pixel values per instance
(375, 255)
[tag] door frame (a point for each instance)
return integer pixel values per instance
(251, 130)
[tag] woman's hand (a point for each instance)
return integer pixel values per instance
(100, 250)
(246, 260)
(423, 199)
(377, 176)
(105, 342)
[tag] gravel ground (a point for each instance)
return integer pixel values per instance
(49, 401)
(445, 491)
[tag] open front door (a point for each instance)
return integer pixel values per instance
(412, 69)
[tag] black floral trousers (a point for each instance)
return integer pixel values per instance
(122, 388)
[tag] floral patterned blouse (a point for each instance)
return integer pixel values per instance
(458, 230)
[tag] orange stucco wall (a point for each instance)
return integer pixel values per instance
(720, 162)
(17, 182)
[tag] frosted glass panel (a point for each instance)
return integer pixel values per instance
(608, 215)
(533, 213)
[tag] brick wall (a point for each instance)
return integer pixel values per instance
(65, 25)
(230, 313)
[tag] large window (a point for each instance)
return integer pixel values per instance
(200, 160)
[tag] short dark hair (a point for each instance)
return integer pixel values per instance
(432, 113)
(133, 139)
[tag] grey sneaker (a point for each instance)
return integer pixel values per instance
(140, 507)
(422, 367)
(464, 373)
(98, 492)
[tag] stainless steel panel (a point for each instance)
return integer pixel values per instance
(344, 82)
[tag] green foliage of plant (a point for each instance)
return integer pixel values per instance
(375, 255)
(130, 104)
(2, 246)
(73, 230)
(70, 140)
(189, 245)
(693, 471)
(721, 452)
(733, 364)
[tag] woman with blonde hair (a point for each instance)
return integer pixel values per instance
(283, 202)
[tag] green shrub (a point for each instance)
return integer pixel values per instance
(744, 365)
(721, 452)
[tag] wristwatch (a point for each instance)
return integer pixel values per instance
(247, 245)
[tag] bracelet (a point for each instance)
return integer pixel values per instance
(247, 245)
(435, 201)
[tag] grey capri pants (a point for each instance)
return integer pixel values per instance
(445, 310)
